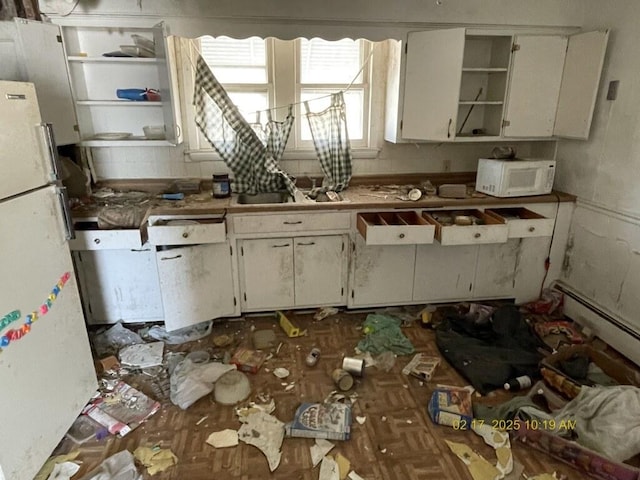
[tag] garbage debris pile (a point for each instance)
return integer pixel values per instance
(534, 379)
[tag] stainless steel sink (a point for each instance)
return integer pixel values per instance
(264, 197)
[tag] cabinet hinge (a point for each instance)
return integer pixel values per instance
(343, 245)
(515, 47)
(470, 286)
(406, 48)
(234, 301)
(230, 250)
(59, 38)
(342, 291)
(400, 125)
(245, 296)
(506, 123)
(242, 251)
(351, 293)
(76, 128)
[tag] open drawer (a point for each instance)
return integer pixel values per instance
(89, 237)
(394, 228)
(167, 231)
(522, 222)
(467, 227)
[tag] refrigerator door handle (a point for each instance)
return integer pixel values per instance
(63, 196)
(54, 160)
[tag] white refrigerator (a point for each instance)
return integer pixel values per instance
(46, 370)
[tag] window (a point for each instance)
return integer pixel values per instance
(260, 74)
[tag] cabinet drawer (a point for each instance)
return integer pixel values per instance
(522, 222)
(106, 240)
(394, 228)
(187, 232)
(467, 227)
(292, 222)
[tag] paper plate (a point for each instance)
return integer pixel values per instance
(112, 135)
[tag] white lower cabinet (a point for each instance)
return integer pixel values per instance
(196, 283)
(444, 272)
(278, 273)
(382, 274)
(119, 285)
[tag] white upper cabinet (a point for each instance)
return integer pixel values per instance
(44, 60)
(536, 74)
(104, 118)
(457, 85)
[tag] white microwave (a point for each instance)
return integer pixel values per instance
(515, 178)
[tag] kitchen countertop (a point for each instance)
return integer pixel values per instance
(359, 196)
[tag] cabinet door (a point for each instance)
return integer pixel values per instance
(196, 284)
(119, 285)
(580, 80)
(45, 62)
(382, 274)
(168, 81)
(319, 270)
(444, 272)
(266, 269)
(497, 268)
(536, 75)
(432, 84)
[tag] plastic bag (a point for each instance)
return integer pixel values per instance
(190, 381)
(111, 341)
(120, 466)
(183, 335)
(385, 361)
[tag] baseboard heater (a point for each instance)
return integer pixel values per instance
(603, 324)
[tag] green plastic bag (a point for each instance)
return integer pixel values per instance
(383, 334)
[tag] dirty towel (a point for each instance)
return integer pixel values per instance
(489, 353)
(155, 459)
(606, 420)
(254, 164)
(142, 355)
(383, 333)
(331, 141)
(264, 432)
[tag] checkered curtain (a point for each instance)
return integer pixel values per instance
(329, 132)
(253, 163)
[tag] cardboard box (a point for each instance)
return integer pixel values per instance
(617, 370)
(421, 366)
(248, 360)
(451, 406)
(593, 464)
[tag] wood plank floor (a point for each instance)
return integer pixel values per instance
(398, 441)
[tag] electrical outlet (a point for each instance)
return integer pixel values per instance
(446, 165)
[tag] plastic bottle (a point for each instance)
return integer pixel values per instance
(518, 383)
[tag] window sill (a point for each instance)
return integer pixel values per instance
(209, 156)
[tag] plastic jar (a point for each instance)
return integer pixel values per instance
(221, 186)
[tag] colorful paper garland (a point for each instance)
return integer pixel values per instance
(16, 334)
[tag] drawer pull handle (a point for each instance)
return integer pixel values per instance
(307, 243)
(96, 241)
(185, 235)
(280, 246)
(171, 258)
(298, 222)
(401, 235)
(532, 229)
(477, 235)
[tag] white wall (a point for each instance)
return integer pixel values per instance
(604, 261)
(9, 56)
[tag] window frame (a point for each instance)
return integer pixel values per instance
(282, 75)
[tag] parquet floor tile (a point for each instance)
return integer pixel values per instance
(398, 440)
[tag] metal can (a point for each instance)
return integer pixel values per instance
(221, 186)
(342, 379)
(354, 366)
(312, 358)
